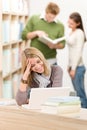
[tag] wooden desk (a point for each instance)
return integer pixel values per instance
(16, 118)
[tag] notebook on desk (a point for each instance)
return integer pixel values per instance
(39, 95)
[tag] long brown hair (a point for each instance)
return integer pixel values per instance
(77, 19)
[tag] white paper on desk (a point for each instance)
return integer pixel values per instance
(7, 102)
(25, 106)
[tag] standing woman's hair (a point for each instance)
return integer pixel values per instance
(77, 19)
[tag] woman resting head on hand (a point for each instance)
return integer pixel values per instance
(36, 72)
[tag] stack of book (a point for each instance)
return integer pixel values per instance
(62, 105)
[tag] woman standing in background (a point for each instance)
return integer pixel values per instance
(76, 67)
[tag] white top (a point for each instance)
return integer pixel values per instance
(75, 43)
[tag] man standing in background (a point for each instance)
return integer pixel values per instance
(45, 24)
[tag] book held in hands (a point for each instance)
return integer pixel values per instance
(47, 40)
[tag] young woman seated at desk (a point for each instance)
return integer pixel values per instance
(36, 72)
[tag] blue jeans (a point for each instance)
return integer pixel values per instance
(78, 84)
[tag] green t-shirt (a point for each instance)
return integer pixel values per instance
(53, 29)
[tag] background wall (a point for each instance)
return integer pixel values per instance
(66, 7)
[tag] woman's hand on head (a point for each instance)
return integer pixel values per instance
(27, 71)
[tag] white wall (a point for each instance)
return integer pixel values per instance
(66, 7)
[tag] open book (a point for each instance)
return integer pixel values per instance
(47, 40)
